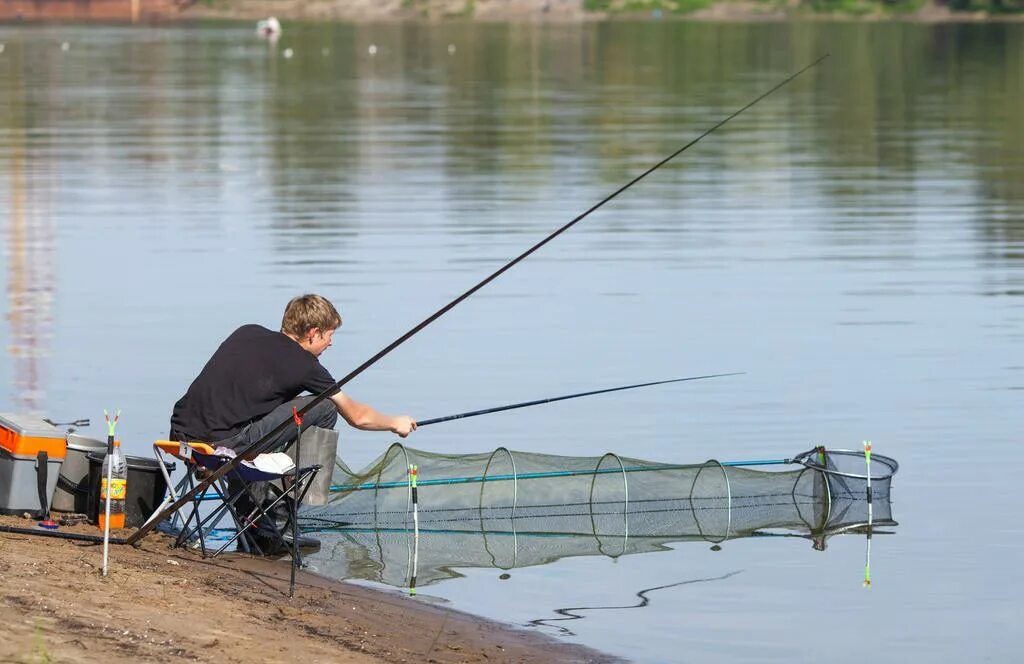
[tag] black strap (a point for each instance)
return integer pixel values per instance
(42, 472)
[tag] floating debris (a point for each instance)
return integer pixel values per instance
(268, 28)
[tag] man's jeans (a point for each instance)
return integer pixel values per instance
(323, 415)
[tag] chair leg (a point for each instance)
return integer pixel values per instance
(171, 498)
(186, 532)
(204, 525)
(265, 512)
(302, 479)
(244, 524)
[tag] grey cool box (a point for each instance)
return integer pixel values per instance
(31, 454)
(73, 487)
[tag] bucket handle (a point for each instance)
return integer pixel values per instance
(70, 486)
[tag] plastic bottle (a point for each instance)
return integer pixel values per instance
(118, 464)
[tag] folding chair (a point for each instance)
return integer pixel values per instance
(162, 451)
(237, 499)
(260, 513)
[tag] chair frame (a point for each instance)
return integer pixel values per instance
(197, 456)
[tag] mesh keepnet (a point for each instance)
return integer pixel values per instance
(608, 494)
(514, 509)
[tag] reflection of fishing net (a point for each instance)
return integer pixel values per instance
(600, 496)
(513, 509)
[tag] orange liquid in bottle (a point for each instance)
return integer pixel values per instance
(116, 520)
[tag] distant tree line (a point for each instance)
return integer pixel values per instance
(854, 7)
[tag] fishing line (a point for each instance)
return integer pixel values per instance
(536, 402)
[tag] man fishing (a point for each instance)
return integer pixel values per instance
(254, 379)
(251, 386)
(408, 424)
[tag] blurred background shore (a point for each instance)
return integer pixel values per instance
(364, 11)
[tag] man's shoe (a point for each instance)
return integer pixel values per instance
(276, 543)
(305, 541)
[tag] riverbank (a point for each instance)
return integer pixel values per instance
(553, 11)
(170, 605)
(368, 11)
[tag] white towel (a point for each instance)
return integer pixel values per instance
(278, 463)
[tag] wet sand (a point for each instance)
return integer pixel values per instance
(160, 604)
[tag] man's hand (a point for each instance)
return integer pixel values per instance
(403, 425)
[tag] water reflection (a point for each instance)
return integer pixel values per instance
(404, 557)
(523, 114)
(579, 612)
(511, 510)
(30, 250)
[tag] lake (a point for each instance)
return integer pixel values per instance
(854, 244)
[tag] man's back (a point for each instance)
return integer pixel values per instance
(252, 372)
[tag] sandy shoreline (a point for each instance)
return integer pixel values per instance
(170, 605)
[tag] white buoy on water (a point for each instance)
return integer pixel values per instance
(268, 28)
(372, 49)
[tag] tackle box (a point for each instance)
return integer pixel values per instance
(31, 453)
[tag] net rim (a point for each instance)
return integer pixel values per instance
(808, 459)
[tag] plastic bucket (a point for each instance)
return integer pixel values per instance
(146, 488)
(73, 486)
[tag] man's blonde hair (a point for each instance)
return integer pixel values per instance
(309, 311)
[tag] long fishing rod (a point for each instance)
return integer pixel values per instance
(264, 443)
(82, 537)
(537, 402)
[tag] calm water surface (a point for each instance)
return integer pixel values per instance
(855, 244)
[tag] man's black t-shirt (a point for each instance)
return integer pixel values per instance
(254, 371)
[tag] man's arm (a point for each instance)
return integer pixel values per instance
(362, 416)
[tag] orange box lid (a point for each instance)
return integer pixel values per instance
(27, 435)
